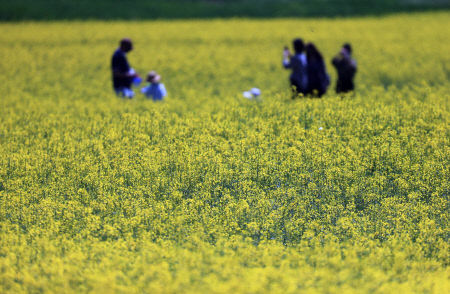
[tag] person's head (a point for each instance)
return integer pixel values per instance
(153, 77)
(346, 49)
(126, 45)
(312, 52)
(298, 45)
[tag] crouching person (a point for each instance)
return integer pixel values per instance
(155, 88)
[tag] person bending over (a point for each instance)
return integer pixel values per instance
(122, 74)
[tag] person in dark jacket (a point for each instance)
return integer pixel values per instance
(298, 64)
(346, 69)
(122, 74)
(318, 79)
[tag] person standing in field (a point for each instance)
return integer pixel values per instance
(122, 73)
(298, 63)
(318, 79)
(346, 69)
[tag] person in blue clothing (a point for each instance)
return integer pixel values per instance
(298, 63)
(122, 74)
(155, 89)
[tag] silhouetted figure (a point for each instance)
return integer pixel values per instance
(122, 74)
(346, 69)
(318, 79)
(298, 64)
(155, 89)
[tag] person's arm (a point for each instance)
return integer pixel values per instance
(163, 90)
(120, 68)
(354, 66)
(144, 90)
(287, 58)
(335, 61)
(118, 74)
(287, 63)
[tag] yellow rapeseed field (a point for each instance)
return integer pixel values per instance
(208, 192)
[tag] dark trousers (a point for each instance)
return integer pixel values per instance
(297, 88)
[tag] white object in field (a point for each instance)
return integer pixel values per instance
(320, 128)
(252, 94)
(127, 93)
(255, 92)
(248, 95)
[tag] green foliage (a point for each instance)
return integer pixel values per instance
(209, 192)
(163, 9)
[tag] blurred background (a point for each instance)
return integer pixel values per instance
(169, 9)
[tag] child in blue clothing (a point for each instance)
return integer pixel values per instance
(155, 89)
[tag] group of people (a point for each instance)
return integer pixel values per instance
(124, 76)
(309, 76)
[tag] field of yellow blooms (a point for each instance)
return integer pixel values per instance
(208, 192)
